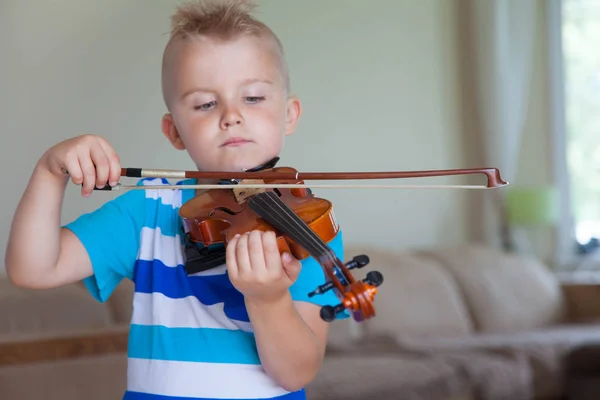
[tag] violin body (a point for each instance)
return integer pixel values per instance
(216, 216)
(303, 225)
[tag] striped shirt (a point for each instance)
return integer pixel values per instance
(190, 335)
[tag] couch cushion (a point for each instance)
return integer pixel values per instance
(544, 350)
(418, 296)
(496, 373)
(384, 377)
(505, 292)
(493, 375)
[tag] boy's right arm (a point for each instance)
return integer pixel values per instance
(40, 254)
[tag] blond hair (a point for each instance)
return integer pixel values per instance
(222, 19)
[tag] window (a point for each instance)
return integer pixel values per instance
(574, 62)
(581, 64)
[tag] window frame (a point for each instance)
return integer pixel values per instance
(565, 256)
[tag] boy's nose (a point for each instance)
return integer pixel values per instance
(231, 118)
(233, 122)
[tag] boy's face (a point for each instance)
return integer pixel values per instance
(228, 103)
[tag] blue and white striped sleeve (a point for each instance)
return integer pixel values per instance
(111, 237)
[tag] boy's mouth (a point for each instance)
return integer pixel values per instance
(235, 141)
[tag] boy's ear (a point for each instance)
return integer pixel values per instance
(294, 110)
(170, 131)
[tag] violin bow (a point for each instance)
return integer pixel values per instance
(492, 174)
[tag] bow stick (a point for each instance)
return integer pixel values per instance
(492, 174)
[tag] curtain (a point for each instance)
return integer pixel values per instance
(500, 46)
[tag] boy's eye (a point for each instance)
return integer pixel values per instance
(205, 106)
(254, 99)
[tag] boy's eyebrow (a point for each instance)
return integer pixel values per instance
(254, 80)
(245, 82)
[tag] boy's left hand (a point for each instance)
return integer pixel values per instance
(257, 269)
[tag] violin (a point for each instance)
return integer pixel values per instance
(269, 198)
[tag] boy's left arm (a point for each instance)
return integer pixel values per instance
(291, 339)
(290, 335)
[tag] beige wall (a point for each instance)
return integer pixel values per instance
(379, 81)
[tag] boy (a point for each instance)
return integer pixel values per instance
(244, 330)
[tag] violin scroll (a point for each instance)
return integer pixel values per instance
(357, 297)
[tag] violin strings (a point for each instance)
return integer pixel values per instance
(324, 253)
(310, 239)
(325, 250)
(294, 218)
(283, 216)
(265, 209)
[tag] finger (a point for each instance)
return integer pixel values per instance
(230, 258)
(271, 251)
(255, 251)
(114, 163)
(100, 161)
(72, 168)
(89, 174)
(291, 265)
(241, 254)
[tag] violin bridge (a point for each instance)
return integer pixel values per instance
(241, 194)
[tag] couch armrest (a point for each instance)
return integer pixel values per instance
(582, 301)
(28, 349)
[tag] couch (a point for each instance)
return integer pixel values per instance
(466, 322)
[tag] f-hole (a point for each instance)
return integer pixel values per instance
(224, 209)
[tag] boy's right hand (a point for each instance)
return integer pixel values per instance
(88, 159)
(60, 258)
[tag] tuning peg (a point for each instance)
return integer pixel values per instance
(374, 278)
(328, 313)
(322, 289)
(358, 262)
